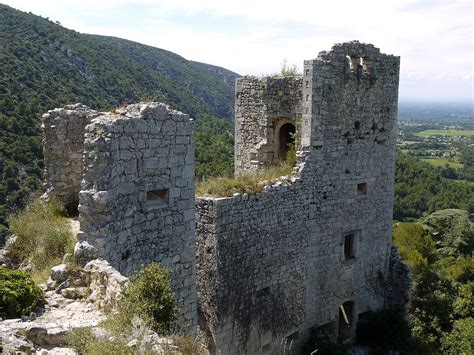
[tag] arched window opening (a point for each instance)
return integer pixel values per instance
(286, 138)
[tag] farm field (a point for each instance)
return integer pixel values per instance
(442, 162)
(444, 132)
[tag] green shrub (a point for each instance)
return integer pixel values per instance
(461, 338)
(289, 70)
(414, 245)
(325, 344)
(43, 234)
(18, 293)
(385, 330)
(149, 296)
(291, 155)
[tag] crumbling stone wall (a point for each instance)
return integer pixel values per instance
(262, 107)
(63, 144)
(137, 198)
(288, 258)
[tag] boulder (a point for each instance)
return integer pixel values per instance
(84, 252)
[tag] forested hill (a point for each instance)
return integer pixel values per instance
(44, 65)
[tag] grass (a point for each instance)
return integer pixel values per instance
(469, 183)
(43, 236)
(442, 162)
(447, 132)
(84, 342)
(249, 183)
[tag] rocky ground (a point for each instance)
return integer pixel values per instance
(77, 295)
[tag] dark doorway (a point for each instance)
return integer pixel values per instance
(286, 138)
(346, 315)
(363, 330)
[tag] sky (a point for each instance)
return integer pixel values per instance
(434, 38)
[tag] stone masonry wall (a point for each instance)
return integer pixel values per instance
(262, 106)
(137, 196)
(284, 263)
(63, 144)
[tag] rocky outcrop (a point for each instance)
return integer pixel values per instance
(97, 283)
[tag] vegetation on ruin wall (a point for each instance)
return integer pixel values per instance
(248, 183)
(438, 251)
(45, 66)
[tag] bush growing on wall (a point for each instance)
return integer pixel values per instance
(322, 342)
(150, 297)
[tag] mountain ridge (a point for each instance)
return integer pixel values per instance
(45, 65)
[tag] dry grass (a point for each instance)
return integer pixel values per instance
(250, 183)
(43, 236)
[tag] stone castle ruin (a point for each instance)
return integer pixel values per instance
(131, 176)
(256, 272)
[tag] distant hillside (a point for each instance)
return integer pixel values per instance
(44, 65)
(46, 62)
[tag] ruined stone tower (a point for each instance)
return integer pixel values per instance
(310, 253)
(131, 173)
(266, 113)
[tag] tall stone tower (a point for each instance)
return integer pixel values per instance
(130, 174)
(309, 251)
(266, 114)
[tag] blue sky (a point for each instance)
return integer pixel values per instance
(433, 37)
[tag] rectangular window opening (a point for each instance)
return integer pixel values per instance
(382, 141)
(362, 188)
(349, 246)
(264, 292)
(158, 196)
